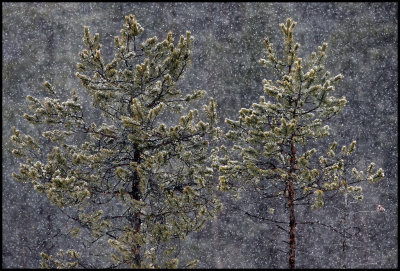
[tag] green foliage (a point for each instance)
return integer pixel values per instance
(158, 174)
(60, 261)
(274, 140)
(265, 133)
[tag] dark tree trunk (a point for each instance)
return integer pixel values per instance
(136, 194)
(292, 217)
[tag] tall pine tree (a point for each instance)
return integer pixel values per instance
(276, 142)
(132, 178)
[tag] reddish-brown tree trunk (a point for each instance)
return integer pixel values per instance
(292, 227)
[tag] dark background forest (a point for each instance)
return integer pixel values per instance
(41, 41)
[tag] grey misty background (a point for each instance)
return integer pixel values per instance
(41, 41)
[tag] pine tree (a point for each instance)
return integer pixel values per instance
(277, 142)
(131, 177)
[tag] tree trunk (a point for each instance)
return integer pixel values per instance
(136, 194)
(292, 226)
(292, 217)
(344, 230)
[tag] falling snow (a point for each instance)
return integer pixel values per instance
(41, 41)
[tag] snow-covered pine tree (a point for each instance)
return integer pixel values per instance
(131, 179)
(274, 141)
